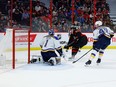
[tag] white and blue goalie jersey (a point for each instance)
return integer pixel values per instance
(50, 43)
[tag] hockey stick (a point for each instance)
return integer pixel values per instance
(82, 56)
(62, 56)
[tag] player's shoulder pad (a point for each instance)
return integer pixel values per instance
(56, 37)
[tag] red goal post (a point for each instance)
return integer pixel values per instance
(15, 48)
(14, 40)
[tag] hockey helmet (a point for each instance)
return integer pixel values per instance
(98, 23)
(77, 27)
(51, 32)
(73, 27)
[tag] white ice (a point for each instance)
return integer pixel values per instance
(64, 75)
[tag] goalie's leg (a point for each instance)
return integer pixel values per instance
(54, 61)
(36, 58)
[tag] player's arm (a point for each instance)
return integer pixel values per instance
(111, 33)
(58, 47)
(42, 42)
(71, 41)
(95, 37)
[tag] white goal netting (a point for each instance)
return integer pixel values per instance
(14, 49)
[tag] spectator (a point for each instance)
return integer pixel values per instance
(25, 17)
(81, 20)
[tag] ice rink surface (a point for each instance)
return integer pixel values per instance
(65, 75)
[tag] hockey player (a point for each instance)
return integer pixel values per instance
(49, 45)
(102, 36)
(76, 40)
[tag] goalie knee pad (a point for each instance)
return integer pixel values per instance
(58, 60)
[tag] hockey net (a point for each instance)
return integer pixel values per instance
(14, 49)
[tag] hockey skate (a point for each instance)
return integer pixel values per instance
(71, 58)
(52, 61)
(88, 63)
(98, 61)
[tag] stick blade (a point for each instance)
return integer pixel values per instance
(74, 62)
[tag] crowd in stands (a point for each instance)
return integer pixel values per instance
(84, 12)
(61, 15)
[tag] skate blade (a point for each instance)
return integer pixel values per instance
(98, 64)
(70, 59)
(87, 65)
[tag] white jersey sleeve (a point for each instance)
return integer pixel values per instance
(102, 31)
(95, 34)
(49, 43)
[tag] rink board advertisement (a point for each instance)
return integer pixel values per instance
(65, 37)
(35, 39)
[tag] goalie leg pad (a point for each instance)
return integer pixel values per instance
(58, 60)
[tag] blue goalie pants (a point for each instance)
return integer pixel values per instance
(47, 55)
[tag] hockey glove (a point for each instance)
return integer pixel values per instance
(66, 47)
(111, 35)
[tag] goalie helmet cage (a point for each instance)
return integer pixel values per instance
(16, 44)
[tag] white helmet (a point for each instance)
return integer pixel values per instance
(98, 23)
